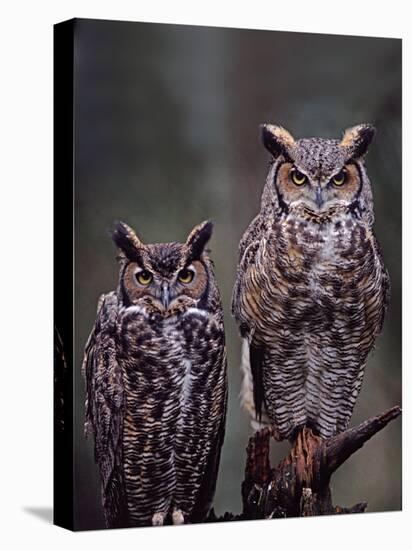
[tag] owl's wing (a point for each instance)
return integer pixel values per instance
(252, 395)
(207, 489)
(248, 246)
(104, 408)
(386, 284)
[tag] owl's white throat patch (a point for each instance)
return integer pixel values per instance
(196, 311)
(135, 309)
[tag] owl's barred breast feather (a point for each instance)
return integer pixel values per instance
(175, 387)
(314, 296)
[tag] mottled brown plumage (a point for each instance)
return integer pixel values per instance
(156, 388)
(311, 289)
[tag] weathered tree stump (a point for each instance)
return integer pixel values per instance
(299, 484)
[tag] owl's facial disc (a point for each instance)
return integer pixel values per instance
(298, 188)
(165, 293)
(170, 292)
(188, 286)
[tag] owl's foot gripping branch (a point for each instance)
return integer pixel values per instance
(299, 484)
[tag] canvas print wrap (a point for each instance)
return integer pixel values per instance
(228, 337)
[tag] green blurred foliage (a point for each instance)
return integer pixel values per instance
(166, 135)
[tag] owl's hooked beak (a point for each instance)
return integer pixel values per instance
(319, 198)
(165, 295)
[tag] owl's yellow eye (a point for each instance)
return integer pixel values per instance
(144, 277)
(186, 276)
(297, 177)
(340, 178)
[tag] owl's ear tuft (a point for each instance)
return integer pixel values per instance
(197, 239)
(277, 140)
(356, 140)
(127, 241)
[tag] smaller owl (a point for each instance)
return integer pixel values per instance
(156, 386)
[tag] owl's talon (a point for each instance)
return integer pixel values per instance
(158, 519)
(177, 517)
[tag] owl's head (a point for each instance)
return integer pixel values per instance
(318, 175)
(164, 278)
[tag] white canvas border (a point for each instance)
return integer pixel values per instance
(26, 274)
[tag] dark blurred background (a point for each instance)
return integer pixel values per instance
(166, 135)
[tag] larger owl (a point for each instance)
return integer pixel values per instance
(311, 289)
(156, 387)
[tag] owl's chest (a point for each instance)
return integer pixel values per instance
(310, 251)
(158, 351)
(315, 268)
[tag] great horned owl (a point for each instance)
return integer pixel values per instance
(156, 387)
(311, 289)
